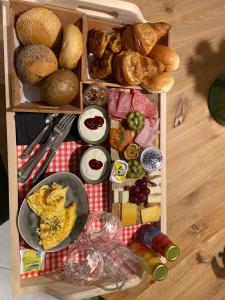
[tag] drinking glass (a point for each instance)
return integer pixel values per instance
(83, 266)
(102, 227)
(120, 263)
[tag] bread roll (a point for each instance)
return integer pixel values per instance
(166, 56)
(38, 25)
(60, 88)
(72, 47)
(159, 84)
(34, 62)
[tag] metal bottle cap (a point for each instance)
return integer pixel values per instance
(160, 272)
(172, 253)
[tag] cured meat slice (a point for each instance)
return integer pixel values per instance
(123, 106)
(113, 101)
(153, 123)
(144, 105)
(148, 133)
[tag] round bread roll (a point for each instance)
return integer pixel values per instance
(159, 84)
(38, 25)
(166, 56)
(60, 88)
(34, 62)
(72, 47)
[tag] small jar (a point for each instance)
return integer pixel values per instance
(96, 94)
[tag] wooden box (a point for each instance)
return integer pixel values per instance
(26, 97)
(86, 14)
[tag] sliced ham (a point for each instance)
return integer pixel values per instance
(154, 123)
(123, 106)
(148, 133)
(143, 104)
(113, 101)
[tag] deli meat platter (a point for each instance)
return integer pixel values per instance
(115, 81)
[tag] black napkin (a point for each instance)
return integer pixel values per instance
(28, 126)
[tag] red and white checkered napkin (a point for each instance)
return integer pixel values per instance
(67, 159)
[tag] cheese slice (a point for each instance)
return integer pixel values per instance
(155, 177)
(150, 214)
(129, 214)
(155, 190)
(124, 196)
(154, 198)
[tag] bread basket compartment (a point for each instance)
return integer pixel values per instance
(27, 97)
(97, 68)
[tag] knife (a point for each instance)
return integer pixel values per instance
(52, 151)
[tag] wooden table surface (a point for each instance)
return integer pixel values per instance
(195, 154)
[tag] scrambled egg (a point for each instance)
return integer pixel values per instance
(56, 221)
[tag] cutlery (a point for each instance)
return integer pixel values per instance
(25, 171)
(48, 121)
(63, 132)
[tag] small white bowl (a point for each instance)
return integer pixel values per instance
(151, 159)
(107, 166)
(102, 139)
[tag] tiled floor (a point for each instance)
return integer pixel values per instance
(5, 269)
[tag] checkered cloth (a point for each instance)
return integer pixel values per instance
(67, 159)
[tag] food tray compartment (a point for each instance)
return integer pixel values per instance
(108, 26)
(46, 283)
(26, 97)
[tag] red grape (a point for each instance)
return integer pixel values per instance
(140, 182)
(142, 197)
(146, 191)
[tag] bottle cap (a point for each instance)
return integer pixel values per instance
(160, 272)
(172, 253)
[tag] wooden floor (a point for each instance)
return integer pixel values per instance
(195, 154)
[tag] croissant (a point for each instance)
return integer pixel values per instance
(143, 37)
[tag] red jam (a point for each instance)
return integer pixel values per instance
(95, 164)
(94, 123)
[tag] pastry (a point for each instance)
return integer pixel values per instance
(142, 37)
(72, 47)
(151, 68)
(127, 69)
(115, 42)
(102, 67)
(38, 25)
(97, 42)
(159, 84)
(34, 62)
(166, 56)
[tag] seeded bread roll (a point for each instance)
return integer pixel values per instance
(34, 62)
(38, 25)
(72, 47)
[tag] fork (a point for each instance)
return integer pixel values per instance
(25, 171)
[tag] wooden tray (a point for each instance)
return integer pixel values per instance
(111, 12)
